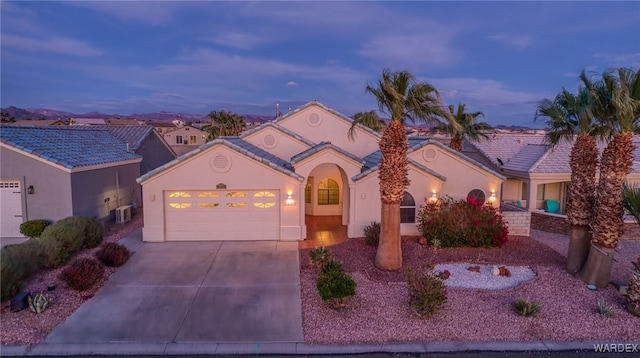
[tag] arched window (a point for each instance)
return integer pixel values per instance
(407, 209)
(328, 192)
(477, 195)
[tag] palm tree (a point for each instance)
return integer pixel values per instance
(368, 119)
(462, 125)
(617, 103)
(631, 198)
(569, 116)
(401, 97)
(224, 123)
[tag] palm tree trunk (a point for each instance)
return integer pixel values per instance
(617, 159)
(393, 181)
(389, 254)
(456, 143)
(583, 162)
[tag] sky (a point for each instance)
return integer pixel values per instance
(500, 58)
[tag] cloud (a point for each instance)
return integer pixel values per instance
(292, 84)
(61, 45)
(520, 42)
(238, 40)
(410, 50)
(147, 12)
(620, 60)
(484, 91)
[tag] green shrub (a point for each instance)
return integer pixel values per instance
(82, 273)
(17, 262)
(372, 234)
(113, 254)
(320, 256)
(33, 228)
(335, 287)
(526, 308)
(462, 223)
(331, 265)
(427, 292)
(61, 240)
(92, 230)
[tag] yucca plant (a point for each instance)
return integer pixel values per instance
(526, 308)
(320, 256)
(604, 309)
(332, 265)
(631, 194)
(38, 303)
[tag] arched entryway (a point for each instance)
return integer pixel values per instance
(326, 205)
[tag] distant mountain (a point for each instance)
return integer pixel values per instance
(163, 116)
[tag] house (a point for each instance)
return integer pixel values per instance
(266, 183)
(185, 139)
(535, 171)
(162, 127)
(39, 122)
(86, 121)
(57, 171)
(145, 141)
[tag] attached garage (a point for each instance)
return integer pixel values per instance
(10, 208)
(196, 215)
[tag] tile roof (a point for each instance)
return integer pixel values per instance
(133, 135)
(320, 146)
(70, 147)
(525, 159)
(240, 146)
(505, 146)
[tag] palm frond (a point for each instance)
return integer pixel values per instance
(631, 195)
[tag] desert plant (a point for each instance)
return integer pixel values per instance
(82, 273)
(38, 303)
(462, 223)
(604, 309)
(633, 292)
(335, 287)
(427, 292)
(61, 240)
(18, 262)
(331, 265)
(91, 229)
(320, 256)
(526, 308)
(33, 228)
(113, 254)
(372, 234)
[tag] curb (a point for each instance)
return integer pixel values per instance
(141, 348)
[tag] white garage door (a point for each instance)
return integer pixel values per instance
(10, 209)
(222, 215)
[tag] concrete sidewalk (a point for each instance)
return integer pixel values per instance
(188, 292)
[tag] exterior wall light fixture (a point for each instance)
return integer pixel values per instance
(290, 200)
(434, 196)
(31, 190)
(492, 198)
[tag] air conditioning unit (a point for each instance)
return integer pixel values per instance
(123, 214)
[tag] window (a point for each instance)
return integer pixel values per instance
(308, 190)
(193, 139)
(525, 190)
(261, 199)
(328, 192)
(541, 188)
(477, 195)
(178, 139)
(407, 209)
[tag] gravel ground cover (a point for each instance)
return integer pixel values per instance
(380, 312)
(25, 327)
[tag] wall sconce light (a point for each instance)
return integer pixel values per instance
(492, 198)
(434, 196)
(31, 190)
(290, 200)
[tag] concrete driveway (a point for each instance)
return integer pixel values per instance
(193, 292)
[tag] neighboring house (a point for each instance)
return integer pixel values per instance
(54, 172)
(39, 122)
(536, 172)
(185, 139)
(123, 122)
(86, 121)
(145, 141)
(162, 127)
(264, 184)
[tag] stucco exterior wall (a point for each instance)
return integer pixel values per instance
(52, 186)
(97, 193)
(154, 153)
(329, 127)
(322, 171)
(198, 173)
(186, 132)
(285, 147)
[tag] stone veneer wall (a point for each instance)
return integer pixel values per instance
(519, 222)
(559, 224)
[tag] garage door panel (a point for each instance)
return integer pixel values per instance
(10, 208)
(222, 215)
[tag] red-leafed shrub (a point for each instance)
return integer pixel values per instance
(82, 273)
(113, 254)
(449, 223)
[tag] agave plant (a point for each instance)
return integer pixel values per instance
(38, 303)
